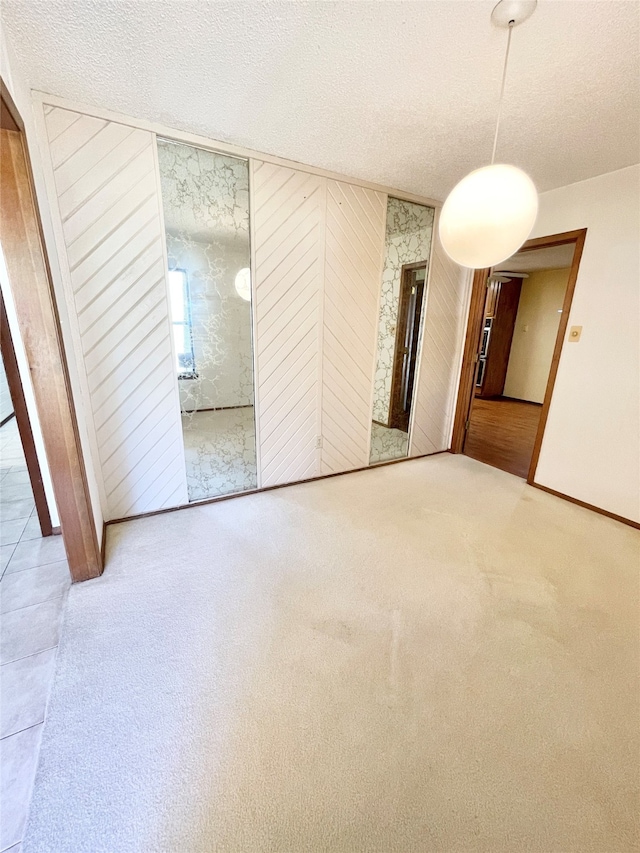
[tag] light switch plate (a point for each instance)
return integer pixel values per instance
(574, 334)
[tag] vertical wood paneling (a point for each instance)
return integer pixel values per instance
(443, 332)
(109, 206)
(354, 248)
(288, 228)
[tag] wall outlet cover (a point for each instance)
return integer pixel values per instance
(574, 334)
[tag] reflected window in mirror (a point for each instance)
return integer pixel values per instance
(181, 320)
(205, 199)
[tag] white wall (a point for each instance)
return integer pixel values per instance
(534, 334)
(591, 447)
(21, 95)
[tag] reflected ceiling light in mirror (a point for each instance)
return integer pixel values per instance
(243, 284)
(490, 213)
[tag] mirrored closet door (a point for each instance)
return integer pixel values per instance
(406, 258)
(205, 198)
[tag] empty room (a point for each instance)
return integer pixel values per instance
(320, 426)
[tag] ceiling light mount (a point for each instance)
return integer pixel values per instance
(489, 214)
(510, 13)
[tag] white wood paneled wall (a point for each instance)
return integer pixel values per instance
(288, 228)
(108, 200)
(354, 251)
(444, 321)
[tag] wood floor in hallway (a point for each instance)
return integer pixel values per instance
(502, 433)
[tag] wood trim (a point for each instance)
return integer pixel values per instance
(519, 400)
(593, 508)
(29, 273)
(231, 150)
(22, 419)
(272, 488)
(103, 545)
(579, 238)
(553, 240)
(469, 365)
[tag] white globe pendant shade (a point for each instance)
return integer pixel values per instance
(488, 216)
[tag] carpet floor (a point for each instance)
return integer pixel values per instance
(430, 656)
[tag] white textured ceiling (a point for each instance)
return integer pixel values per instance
(551, 258)
(402, 93)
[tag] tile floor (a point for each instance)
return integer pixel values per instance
(34, 579)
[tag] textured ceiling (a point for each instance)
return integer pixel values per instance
(552, 258)
(403, 93)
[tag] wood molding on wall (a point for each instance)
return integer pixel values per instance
(577, 237)
(38, 321)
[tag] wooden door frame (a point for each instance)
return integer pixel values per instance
(400, 330)
(35, 304)
(16, 391)
(473, 336)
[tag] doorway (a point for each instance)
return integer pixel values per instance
(407, 340)
(517, 327)
(26, 279)
(17, 444)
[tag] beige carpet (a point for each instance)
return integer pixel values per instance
(430, 656)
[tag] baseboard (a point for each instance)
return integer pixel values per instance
(564, 497)
(585, 505)
(103, 544)
(519, 400)
(266, 489)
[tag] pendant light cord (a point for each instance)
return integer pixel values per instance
(504, 78)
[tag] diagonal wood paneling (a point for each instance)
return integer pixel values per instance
(288, 214)
(108, 199)
(354, 246)
(444, 326)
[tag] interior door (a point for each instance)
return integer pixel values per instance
(503, 322)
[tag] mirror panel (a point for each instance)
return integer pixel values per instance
(205, 199)
(407, 247)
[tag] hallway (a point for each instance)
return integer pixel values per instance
(502, 433)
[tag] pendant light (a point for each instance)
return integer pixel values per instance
(490, 213)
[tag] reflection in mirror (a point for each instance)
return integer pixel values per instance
(205, 199)
(407, 246)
